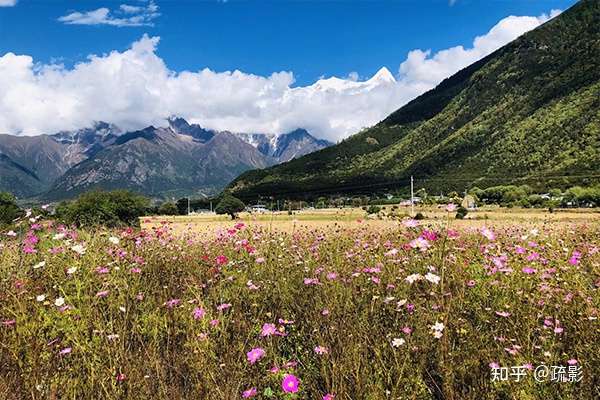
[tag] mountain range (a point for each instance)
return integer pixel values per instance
(180, 159)
(527, 113)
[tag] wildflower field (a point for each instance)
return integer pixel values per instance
(420, 310)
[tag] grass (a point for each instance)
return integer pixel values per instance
(168, 312)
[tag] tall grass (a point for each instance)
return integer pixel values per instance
(151, 314)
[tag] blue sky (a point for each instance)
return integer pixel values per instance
(310, 38)
(333, 67)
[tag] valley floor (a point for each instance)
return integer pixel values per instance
(206, 308)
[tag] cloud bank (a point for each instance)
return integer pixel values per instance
(135, 88)
(125, 15)
(7, 3)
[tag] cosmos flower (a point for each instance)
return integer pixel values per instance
(39, 265)
(397, 342)
(290, 383)
(198, 313)
(66, 350)
(255, 354)
(321, 350)
(488, 234)
(433, 278)
(268, 330)
(249, 393)
(59, 302)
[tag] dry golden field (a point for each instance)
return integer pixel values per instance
(356, 218)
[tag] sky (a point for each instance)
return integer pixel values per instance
(247, 66)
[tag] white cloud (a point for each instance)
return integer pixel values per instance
(125, 15)
(135, 88)
(7, 3)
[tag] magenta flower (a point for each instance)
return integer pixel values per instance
(290, 384)
(221, 260)
(529, 270)
(329, 396)
(249, 393)
(255, 354)
(198, 313)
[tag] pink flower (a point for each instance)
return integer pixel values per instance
(471, 283)
(529, 270)
(329, 396)
(321, 350)
(451, 207)
(558, 330)
(494, 365)
(268, 330)
(172, 303)
(121, 377)
(223, 306)
(198, 313)
(503, 314)
(249, 393)
(572, 361)
(290, 384)
(255, 354)
(221, 260)
(9, 322)
(488, 234)
(260, 260)
(65, 351)
(102, 293)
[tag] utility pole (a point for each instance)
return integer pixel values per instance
(412, 197)
(188, 199)
(210, 206)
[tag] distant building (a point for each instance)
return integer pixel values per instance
(258, 208)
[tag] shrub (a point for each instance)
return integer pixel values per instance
(101, 208)
(168, 208)
(461, 212)
(9, 210)
(419, 216)
(373, 209)
(229, 205)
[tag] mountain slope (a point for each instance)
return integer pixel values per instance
(181, 159)
(30, 164)
(529, 109)
(176, 161)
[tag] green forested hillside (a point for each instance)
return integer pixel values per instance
(528, 113)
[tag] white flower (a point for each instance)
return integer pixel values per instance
(397, 342)
(433, 278)
(71, 270)
(420, 243)
(59, 302)
(113, 240)
(40, 297)
(438, 326)
(122, 309)
(39, 265)
(437, 334)
(79, 249)
(413, 278)
(59, 236)
(11, 233)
